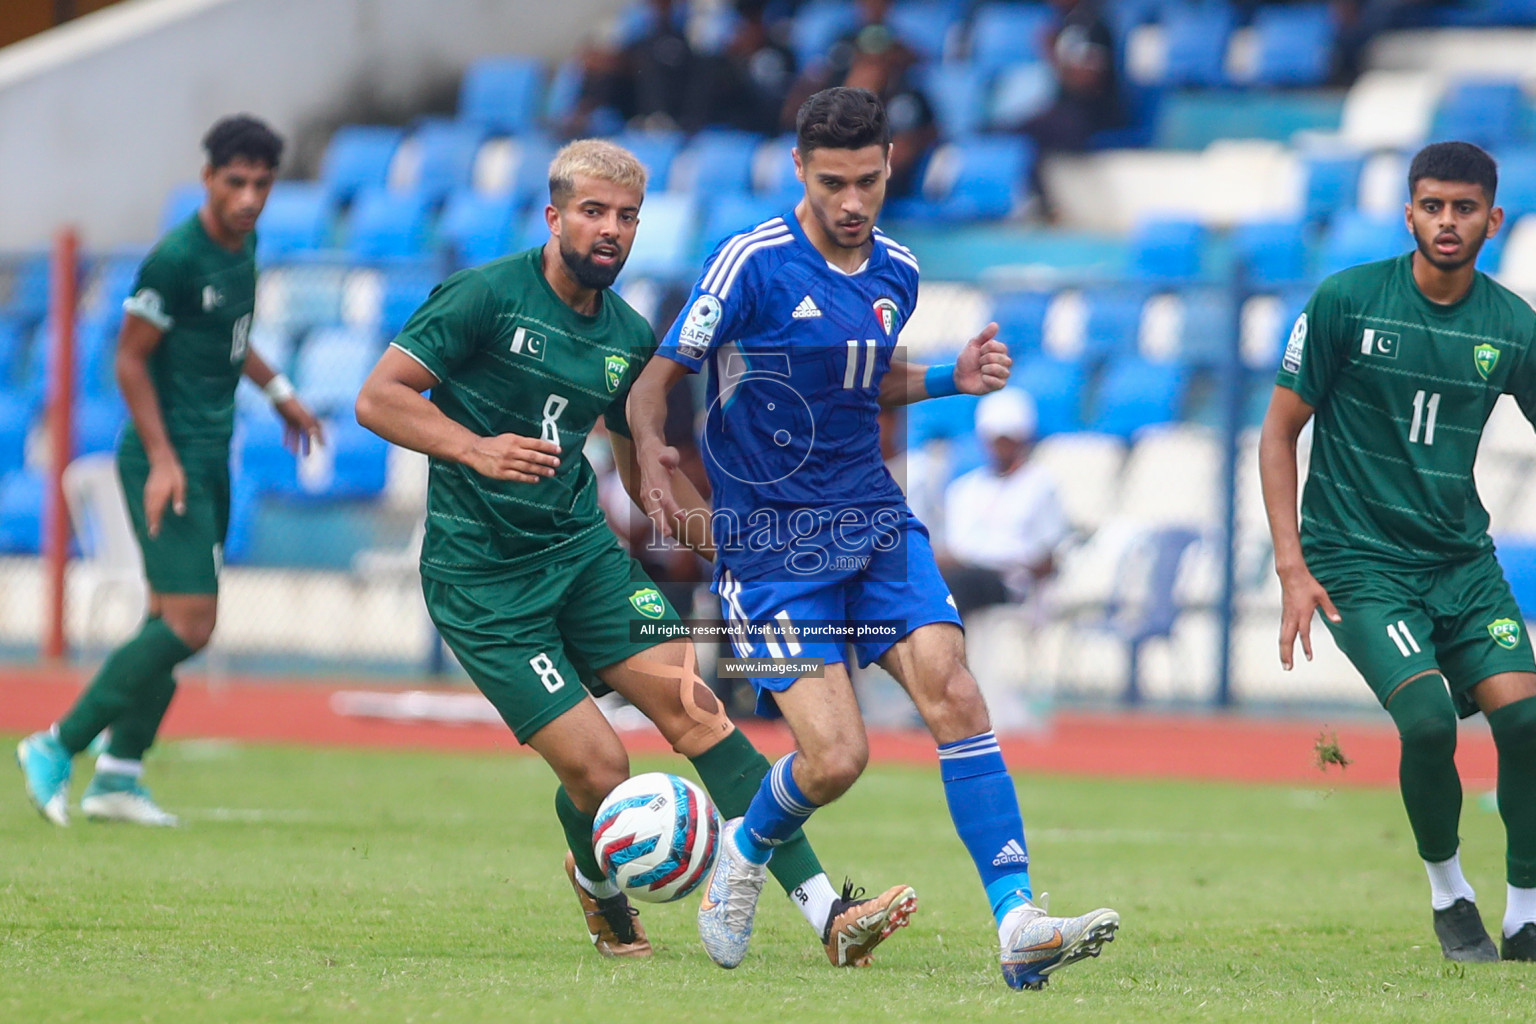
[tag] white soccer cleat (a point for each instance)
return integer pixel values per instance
(1037, 945)
(112, 797)
(730, 901)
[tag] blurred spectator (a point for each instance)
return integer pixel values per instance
(644, 76)
(745, 85)
(1082, 54)
(871, 57)
(1002, 522)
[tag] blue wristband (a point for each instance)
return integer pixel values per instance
(940, 381)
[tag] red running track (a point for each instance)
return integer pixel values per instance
(1105, 745)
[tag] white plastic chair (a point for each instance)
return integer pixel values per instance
(112, 563)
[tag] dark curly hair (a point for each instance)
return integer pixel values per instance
(242, 136)
(1455, 161)
(841, 118)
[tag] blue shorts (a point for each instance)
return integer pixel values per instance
(889, 600)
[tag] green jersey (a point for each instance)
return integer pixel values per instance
(1402, 387)
(512, 358)
(201, 296)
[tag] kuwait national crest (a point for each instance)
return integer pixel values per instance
(648, 602)
(885, 309)
(1505, 633)
(1486, 357)
(615, 367)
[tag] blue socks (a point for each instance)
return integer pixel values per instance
(778, 809)
(985, 810)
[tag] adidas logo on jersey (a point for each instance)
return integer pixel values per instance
(1012, 853)
(806, 309)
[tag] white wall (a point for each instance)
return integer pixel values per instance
(99, 118)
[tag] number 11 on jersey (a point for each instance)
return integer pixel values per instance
(1420, 407)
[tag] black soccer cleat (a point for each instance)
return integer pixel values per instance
(1521, 945)
(1462, 936)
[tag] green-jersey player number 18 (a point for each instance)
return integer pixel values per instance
(1399, 364)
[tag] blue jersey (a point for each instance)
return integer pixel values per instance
(796, 351)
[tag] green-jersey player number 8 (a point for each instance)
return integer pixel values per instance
(554, 405)
(1424, 414)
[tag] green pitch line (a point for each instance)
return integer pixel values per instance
(383, 886)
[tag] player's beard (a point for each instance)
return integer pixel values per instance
(587, 273)
(1469, 251)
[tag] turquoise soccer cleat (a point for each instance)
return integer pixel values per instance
(45, 765)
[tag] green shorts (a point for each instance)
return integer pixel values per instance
(1458, 618)
(533, 642)
(189, 552)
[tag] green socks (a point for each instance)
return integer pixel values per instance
(578, 835)
(731, 771)
(1426, 721)
(1514, 733)
(134, 730)
(133, 680)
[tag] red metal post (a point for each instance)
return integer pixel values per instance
(63, 288)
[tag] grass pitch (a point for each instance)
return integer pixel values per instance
(387, 886)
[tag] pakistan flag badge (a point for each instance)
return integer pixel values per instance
(1486, 357)
(648, 602)
(617, 366)
(1505, 633)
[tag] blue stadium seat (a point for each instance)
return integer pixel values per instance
(297, 219)
(1197, 36)
(357, 158)
(656, 150)
(1332, 182)
(729, 214)
(1294, 43)
(1020, 320)
(98, 421)
(924, 25)
(1490, 113)
(502, 94)
(445, 154)
(261, 464)
(24, 288)
(958, 93)
(332, 364)
(817, 26)
(941, 419)
(16, 414)
(1136, 393)
(665, 248)
(1517, 184)
(406, 286)
(1004, 35)
(13, 347)
(715, 162)
(388, 225)
(298, 298)
(1271, 252)
(773, 171)
(528, 177)
(180, 203)
(1018, 94)
(353, 465)
(110, 284)
(22, 496)
(476, 229)
(976, 179)
(1210, 327)
(564, 91)
(1356, 237)
(94, 348)
(1167, 249)
(1114, 322)
(1056, 385)
(532, 229)
(1517, 557)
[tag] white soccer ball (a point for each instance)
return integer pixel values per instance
(656, 836)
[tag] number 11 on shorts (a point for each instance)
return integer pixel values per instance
(1398, 631)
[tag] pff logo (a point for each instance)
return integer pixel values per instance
(614, 368)
(648, 602)
(1505, 633)
(1485, 358)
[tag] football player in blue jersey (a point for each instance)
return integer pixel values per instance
(797, 320)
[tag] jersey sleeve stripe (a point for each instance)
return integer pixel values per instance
(735, 250)
(899, 251)
(908, 260)
(766, 243)
(414, 356)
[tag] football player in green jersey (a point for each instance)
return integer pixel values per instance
(183, 348)
(521, 574)
(1398, 364)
